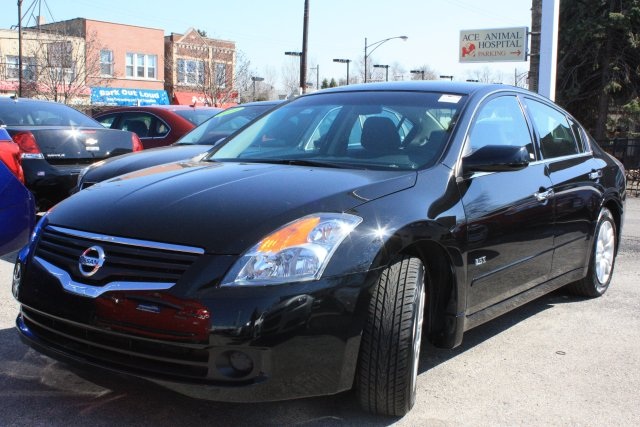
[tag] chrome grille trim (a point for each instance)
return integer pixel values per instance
(127, 241)
(89, 291)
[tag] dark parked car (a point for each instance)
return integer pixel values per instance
(17, 210)
(157, 125)
(193, 144)
(313, 250)
(56, 142)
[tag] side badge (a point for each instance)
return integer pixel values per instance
(481, 260)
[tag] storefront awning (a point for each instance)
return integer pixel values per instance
(193, 98)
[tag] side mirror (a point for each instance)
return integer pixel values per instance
(496, 158)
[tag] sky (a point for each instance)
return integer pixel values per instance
(264, 29)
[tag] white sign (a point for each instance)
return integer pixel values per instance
(497, 45)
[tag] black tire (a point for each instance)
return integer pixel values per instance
(390, 346)
(601, 261)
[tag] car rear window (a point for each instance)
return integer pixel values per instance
(29, 113)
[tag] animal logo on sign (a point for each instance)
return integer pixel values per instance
(469, 49)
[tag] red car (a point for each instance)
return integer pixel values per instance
(157, 125)
(10, 155)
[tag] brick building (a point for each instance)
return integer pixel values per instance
(85, 61)
(200, 70)
(124, 63)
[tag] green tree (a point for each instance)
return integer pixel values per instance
(599, 61)
(333, 83)
(325, 84)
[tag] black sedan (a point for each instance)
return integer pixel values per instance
(195, 143)
(56, 142)
(312, 251)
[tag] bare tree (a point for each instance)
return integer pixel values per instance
(485, 75)
(63, 65)
(291, 77)
(397, 71)
(425, 72)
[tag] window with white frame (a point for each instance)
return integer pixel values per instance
(13, 65)
(190, 71)
(141, 66)
(106, 62)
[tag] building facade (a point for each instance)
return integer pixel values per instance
(124, 63)
(52, 65)
(84, 61)
(200, 70)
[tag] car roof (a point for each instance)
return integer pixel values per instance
(29, 100)
(462, 88)
(264, 103)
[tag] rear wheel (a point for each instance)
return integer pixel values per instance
(601, 261)
(391, 340)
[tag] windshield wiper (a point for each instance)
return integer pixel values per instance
(295, 162)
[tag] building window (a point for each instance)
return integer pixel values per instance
(12, 67)
(60, 61)
(139, 65)
(221, 74)
(106, 62)
(190, 72)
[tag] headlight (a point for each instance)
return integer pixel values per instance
(299, 251)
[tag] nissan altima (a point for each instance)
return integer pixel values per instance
(316, 249)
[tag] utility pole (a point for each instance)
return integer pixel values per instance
(534, 56)
(19, 48)
(303, 59)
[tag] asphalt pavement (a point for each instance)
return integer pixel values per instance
(559, 360)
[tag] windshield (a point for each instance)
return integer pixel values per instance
(223, 124)
(369, 130)
(197, 115)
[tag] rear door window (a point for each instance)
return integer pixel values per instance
(554, 132)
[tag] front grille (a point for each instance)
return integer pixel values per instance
(119, 351)
(125, 260)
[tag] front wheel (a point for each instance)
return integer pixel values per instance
(391, 340)
(601, 261)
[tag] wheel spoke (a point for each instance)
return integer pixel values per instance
(605, 248)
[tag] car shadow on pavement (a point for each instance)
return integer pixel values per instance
(432, 356)
(10, 257)
(34, 385)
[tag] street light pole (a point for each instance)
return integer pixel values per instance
(317, 68)
(254, 80)
(303, 79)
(344, 61)
(421, 72)
(303, 58)
(386, 67)
(375, 45)
(447, 77)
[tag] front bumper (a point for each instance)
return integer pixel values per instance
(50, 183)
(259, 344)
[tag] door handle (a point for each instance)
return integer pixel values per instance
(595, 174)
(542, 196)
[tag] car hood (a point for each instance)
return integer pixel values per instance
(143, 159)
(223, 208)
